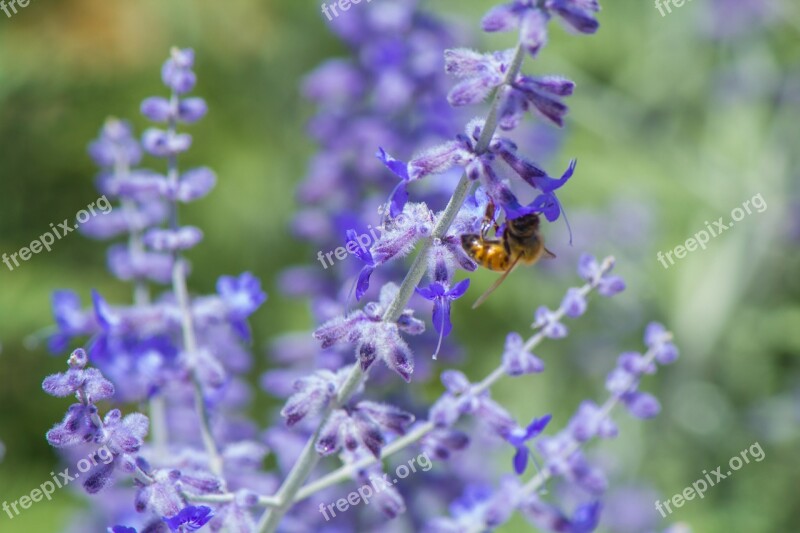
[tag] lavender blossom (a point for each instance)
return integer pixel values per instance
(374, 338)
(183, 356)
(190, 518)
(532, 16)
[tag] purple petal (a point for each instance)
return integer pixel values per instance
(192, 109)
(441, 317)
(190, 518)
(398, 168)
(574, 303)
(362, 285)
(533, 32)
(458, 289)
(500, 18)
(520, 460)
(156, 109)
(537, 426)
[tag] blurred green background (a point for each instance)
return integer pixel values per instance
(675, 122)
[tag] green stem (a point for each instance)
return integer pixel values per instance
(309, 457)
(346, 472)
(190, 346)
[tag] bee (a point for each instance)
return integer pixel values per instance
(520, 242)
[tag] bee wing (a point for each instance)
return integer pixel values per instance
(497, 283)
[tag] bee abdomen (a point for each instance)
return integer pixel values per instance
(491, 255)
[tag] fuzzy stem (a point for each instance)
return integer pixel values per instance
(309, 457)
(141, 296)
(264, 501)
(345, 472)
(539, 479)
(187, 321)
(418, 268)
(190, 346)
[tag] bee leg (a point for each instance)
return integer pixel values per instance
(549, 254)
(489, 220)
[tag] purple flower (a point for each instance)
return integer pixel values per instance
(362, 283)
(535, 94)
(547, 202)
(191, 110)
(374, 338)
(161, 143)
(242, 296)
(479, 505)
(635, 363)
(77, 427)
(597, 274)
(548, 517)
(121, 529)
(548, 321)
(71, 320)
(574, 303)
(119, 221)
(190, 518)
(481, 72)
(129, 266)
(590, 421)
(169, 240)
(177, 71)
(192, 185)
(312, 393)
(388, 499)
(86, 383)
(386, 416)
(399, 196)
(401, 233)
(442, 443)
(518, 361)
(188, 110)
(586, 517)
(441, 158)
(441, 294)
(351, 430)
(641, 404)
(157, 109)
(125, 435)
(532, 16)
(116, 144)
(455, 382)
(520, 436)
(620, 381)
(657, 338)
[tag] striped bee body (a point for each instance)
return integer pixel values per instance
(520, 242)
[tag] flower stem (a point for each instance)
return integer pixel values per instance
(345, 472)
(463, 188)
(141, 297)
(539, 479)
(309, 457)
(227, 497)
(190, 346)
